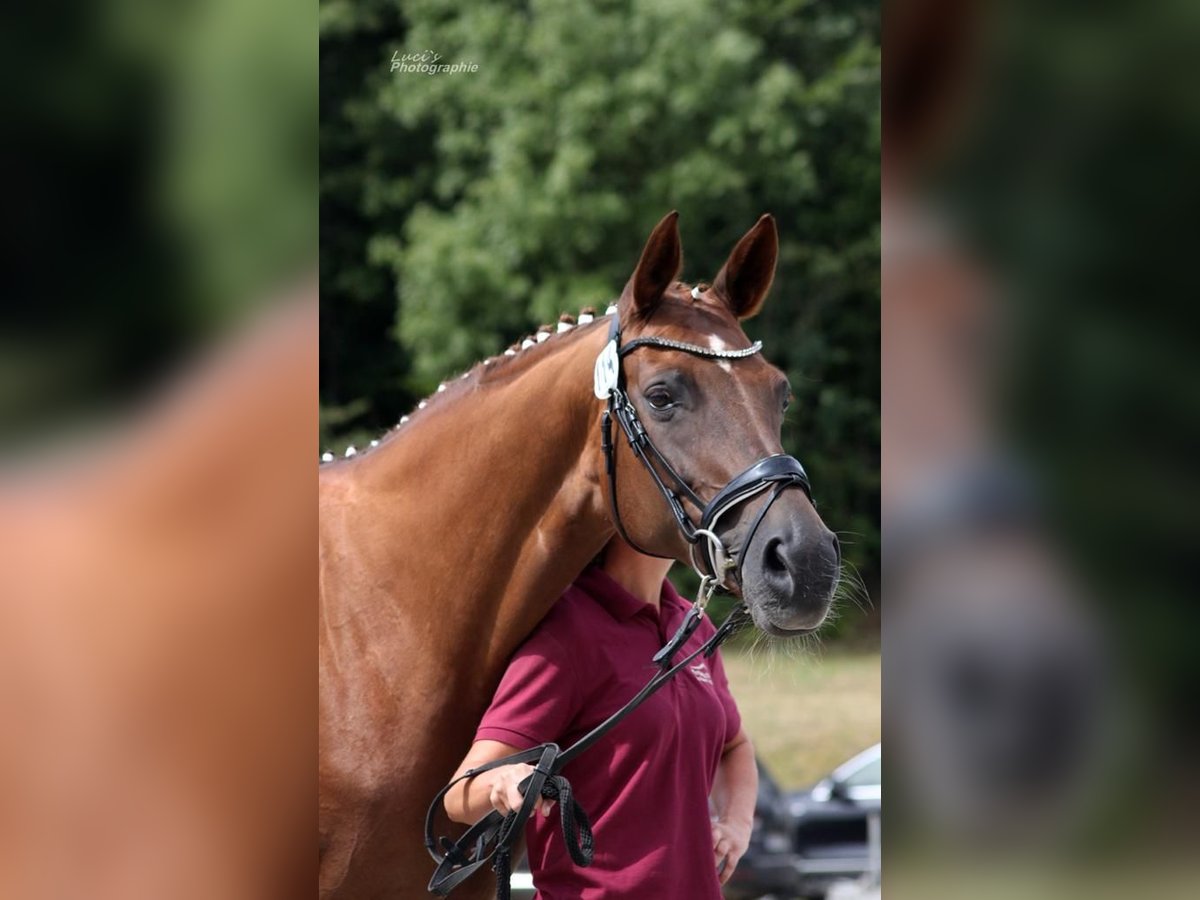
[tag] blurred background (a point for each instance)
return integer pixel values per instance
(157, 417)
(462, 209)
(1038, 495)
(164, 161)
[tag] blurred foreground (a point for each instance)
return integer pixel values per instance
(157, 423)
(156, 639)
(1038, 495)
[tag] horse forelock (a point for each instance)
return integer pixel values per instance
(693, 314)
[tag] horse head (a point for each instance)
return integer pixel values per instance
(710, 408)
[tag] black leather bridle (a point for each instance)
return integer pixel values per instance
(492, 837)
(775, 473)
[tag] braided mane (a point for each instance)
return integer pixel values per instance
(566, 323)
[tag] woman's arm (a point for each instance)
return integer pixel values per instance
(472, 799)
(735, 792)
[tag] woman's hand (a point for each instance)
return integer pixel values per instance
(473, 798)
(730, 840)
(506, 795)
(735, 792)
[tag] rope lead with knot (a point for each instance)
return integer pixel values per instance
(576, 831)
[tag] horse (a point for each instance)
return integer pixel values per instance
(444, 545)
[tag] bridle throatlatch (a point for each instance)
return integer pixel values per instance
(492, 837)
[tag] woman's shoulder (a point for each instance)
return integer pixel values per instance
(567, 625)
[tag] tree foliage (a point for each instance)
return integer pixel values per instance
(460, 210)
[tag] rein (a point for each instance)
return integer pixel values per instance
(492, 837)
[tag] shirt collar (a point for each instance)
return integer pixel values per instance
(670, 596)
(621, 604)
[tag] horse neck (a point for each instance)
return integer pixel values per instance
(498, 485)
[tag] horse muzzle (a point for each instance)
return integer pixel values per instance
(790, 570)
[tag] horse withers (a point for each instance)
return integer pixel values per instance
(442, 547)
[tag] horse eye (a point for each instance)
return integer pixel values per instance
(787, 401)
(659, 398)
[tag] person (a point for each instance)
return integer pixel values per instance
(670, 791)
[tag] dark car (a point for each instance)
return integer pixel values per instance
(833, 821)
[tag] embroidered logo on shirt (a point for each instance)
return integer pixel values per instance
(701, 672)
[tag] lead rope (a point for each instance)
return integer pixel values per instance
(576, 832)
(502, 866)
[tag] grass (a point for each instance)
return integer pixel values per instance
(805, 711)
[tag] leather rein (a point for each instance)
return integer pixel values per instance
(492, 837)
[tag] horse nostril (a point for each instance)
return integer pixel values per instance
(837, 548)
(774, 559)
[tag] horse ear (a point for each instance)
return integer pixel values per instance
(746, 277)
(662, 258)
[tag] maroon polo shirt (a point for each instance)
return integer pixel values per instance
(646, 783)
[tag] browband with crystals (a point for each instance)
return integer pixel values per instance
(694, 349)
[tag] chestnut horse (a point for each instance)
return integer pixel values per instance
(442, 547)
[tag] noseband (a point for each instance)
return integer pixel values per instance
(775, 473)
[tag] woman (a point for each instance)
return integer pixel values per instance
(647, 784)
